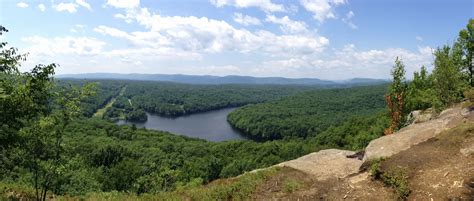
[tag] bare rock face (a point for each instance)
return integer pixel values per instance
(325, 164)
(413, 134)
(419, 116)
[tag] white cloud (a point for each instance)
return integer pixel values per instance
(112, 32)
(64, 45)
(203, 35)
(345, 63)
(419, 38)
(121, 16)
(84, 4)
(246, 20)
(69, 7)
(351, 62)
(128, 4)
(287, 25)
(322, 9)
(352, 25)
(349, 15)
(41, 7)
(348, 20)
(265, 5)
(189, 44)
(22, 5)
(78, 28)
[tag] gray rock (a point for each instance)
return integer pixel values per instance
(325, 164)
(413, 134)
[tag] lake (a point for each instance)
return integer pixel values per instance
(212, 125)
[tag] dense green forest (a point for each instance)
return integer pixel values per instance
(105, 91)
(173, 99)
(307, 114)
(101, 156)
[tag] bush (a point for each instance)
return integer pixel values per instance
(289, 185)
(394, 177)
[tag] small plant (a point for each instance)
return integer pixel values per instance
(394, 177)
(469, 95)
(289, 185)
(375, 168)
(397, 178)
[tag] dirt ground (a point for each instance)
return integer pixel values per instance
(436, 169)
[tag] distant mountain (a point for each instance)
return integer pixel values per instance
(363, 81)
(230, 79)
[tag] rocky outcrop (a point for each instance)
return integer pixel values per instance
(419, 116)
(413, 134)
(325, 164)
(334, 163)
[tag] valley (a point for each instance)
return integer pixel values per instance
(236, 100)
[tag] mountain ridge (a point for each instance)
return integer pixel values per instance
(228, 79)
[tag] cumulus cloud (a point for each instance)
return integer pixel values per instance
(68, 7)
(127, 4)
(41, 7)
(190, 44)
(84, 4)
(22, 5)
(347, 62)
(203, 35)
(322, 9)
(287, 25)
(64, 45)
(246, 20)
(78, 28)
(419, 38)
(265, 5)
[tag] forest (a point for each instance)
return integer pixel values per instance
(308, 113)
(173, 99)
(51, 143)
(134, 98)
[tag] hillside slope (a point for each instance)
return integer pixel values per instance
(433, 159)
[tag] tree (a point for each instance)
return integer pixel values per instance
(34, 116)
(23, 99)
(466, 41)
(447, 77)
(396, 97)
(420, 93)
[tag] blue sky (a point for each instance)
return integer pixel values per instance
(328, 39)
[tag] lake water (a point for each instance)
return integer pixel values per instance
(212, 125)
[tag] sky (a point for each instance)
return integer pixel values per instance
(326, 39)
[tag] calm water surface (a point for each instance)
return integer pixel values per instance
(212, 125)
